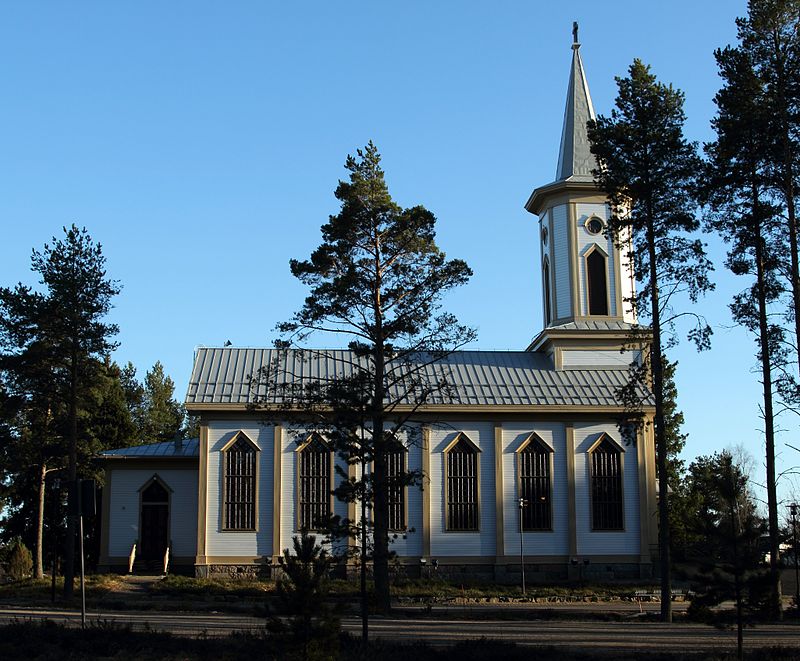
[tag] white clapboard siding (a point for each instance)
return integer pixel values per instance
(628, 286)
(585, 241)
(292, 440)
(598, 358)
(555, 541)
(605, 543)
(411, 543)
(124, 515)
(408, 544)
(482, 542)
(560, 270)
(239, 543)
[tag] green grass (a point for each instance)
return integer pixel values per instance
(32, 589)
(186, 587)
(187, 593)
(481, 590)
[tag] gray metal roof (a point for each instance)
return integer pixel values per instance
(597, 325)
(477, 378)
(166, 449)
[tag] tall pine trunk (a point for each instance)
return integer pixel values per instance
(38, 563)
(362, 570)
(381, 486)
(657, 367)
(72, 475)
(381, 523)
(769, 425)
(737, 571)
(794, 279)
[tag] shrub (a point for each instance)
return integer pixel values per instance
(312, 627)
(20, 561)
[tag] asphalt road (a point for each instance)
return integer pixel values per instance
(597, 635)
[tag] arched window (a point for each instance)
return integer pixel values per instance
(596, 280)
(396, 471)
(461, 466)
(606, 466)
(533, 468)
(547, 310)
(241, 461)
(315, 473)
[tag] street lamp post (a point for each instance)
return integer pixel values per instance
(56, 496)
(793, 511)
(521, 546)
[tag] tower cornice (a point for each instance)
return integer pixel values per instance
(537, 202)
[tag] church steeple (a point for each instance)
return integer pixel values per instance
(575, 159)
(586, 278)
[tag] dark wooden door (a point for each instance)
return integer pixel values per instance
(155, 525)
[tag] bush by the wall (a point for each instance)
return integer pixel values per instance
(20, 561)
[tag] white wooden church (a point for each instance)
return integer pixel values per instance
(538, 424)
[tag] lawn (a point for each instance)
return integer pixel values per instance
(112, 588)
(402, 588)
(32, 590)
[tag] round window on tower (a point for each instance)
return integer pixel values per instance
(544, 236)
(594, 225)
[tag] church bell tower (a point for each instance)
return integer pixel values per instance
(587, 281)
(585, 277)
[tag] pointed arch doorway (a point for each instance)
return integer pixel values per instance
(154, 522)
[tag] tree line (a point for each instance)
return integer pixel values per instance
(742, 187)
(62, 399)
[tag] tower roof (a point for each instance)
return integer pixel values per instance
(575, 159)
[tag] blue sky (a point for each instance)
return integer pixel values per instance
(201, 142)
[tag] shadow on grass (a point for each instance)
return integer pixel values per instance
(48, 640)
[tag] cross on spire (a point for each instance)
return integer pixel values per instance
(575, 32)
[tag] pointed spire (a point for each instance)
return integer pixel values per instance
(575, 159)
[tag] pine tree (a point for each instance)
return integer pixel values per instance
(302, 589)
(647, 169)
(377, 280)
(742, 212)
(770, 37)
(34, 416)
(134, 398)
(675, 442)
(162, 414)
(726, 528)
(77, 295)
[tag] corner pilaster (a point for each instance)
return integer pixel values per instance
(498, 491)
(571, 508)
(426, 492)
(277, 491)
(202, 494)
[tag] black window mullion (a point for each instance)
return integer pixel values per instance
(314, 485)
(607, 487)
(240, 486)
(462, 487)
(534, 479)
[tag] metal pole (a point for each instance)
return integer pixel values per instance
(521, 546)
(363, 566)
(793, 510)
(54, 524)
(83, 576)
